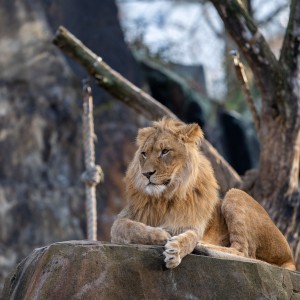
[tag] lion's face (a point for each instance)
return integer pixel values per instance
(161, 157)
(165, 156)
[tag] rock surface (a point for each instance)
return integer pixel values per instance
(94, 270)
(41, 196)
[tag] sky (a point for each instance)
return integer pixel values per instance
(188, 32)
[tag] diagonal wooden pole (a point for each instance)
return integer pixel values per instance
(109, 79)
(125, 91)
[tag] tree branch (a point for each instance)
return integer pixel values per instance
(131, 95)
(241, 76)
(290, 51)
(272, 15)
(290, 61)
(258, 54)
(290, 48)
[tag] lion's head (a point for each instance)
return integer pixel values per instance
(167, 160)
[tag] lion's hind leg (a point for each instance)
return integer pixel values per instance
(236, 212)
(252, 232)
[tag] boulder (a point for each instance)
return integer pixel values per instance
(96, 270)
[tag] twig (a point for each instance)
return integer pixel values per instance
(241, 75)
(273, 14)
(268, 74)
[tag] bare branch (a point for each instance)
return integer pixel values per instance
(272, 15)
(290, 61)
(241, 75)
(131, 95)
(291, 45)
(262, 61)
(219, 34)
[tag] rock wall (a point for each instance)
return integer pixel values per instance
(82, 270)
(41, 197)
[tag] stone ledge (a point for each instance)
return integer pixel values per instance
(96, 270)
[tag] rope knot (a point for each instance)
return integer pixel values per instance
(92, 176)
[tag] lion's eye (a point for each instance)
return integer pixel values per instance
(144, 154)
(164, 152)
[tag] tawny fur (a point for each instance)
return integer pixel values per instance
(173, 201)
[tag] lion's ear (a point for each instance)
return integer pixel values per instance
(192, 133)
(143, 134)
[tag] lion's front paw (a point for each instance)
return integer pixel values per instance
(172, 253)
(159, 236)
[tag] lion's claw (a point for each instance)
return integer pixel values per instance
(172, 261)
(171, 253)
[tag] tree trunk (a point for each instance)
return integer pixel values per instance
(275, 184)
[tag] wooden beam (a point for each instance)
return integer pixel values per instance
(125, 91)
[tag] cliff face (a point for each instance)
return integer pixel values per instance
(41, 197)
(83, 270)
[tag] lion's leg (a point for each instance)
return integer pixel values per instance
(235, 213)
(178, 247)
(252, 232)
(126, 231)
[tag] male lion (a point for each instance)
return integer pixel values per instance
(173, 201)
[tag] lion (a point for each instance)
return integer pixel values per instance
(173, 201)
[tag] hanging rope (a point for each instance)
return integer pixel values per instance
(93, 173)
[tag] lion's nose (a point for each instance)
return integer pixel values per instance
(149, 174)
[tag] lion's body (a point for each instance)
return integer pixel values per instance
(173, 201)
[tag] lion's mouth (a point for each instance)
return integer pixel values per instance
(166, 182)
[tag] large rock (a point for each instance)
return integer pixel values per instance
(93, 270)
(40, 138)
